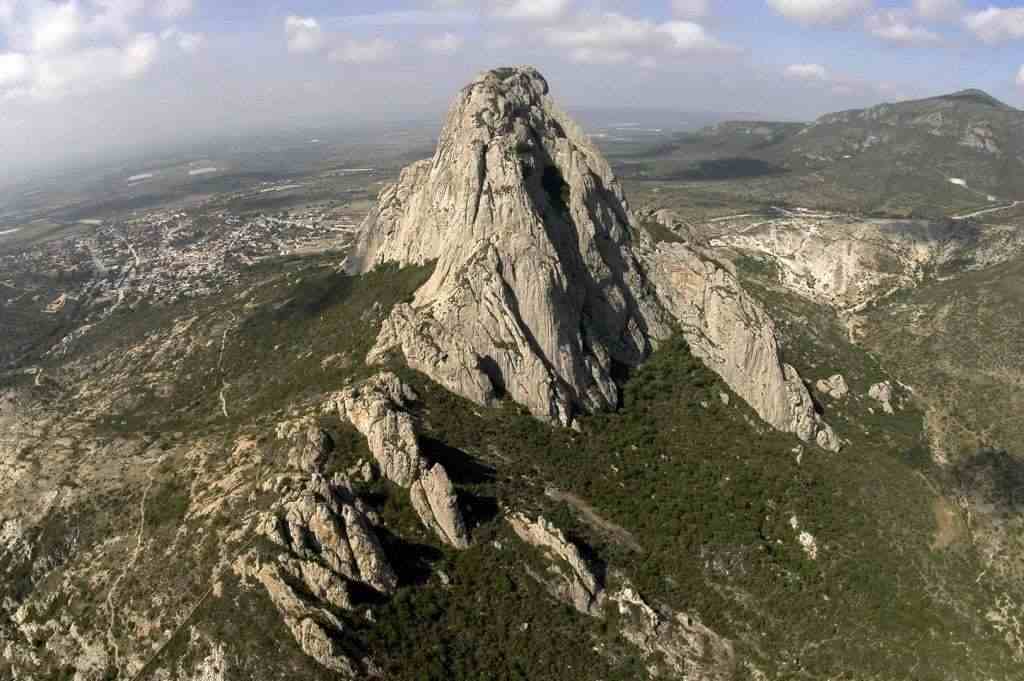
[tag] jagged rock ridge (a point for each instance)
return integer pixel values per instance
(541, 286)
(674, 644)
(378, 409)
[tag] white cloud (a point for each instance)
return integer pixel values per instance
(7, 10)
(364, 52)
(691, 9)
(172, 9)
(687, 36)
(612, 38)
(77, 47)
(812, 72)
(189, 43)
(90, 69)
(601, 30)
(115, 16)
(13, 69)
(446, 43)
(819, 11)
(303, 34)
(938, 9)
(55, 26)
(995, 25)
(138, 55)
(895, 26)
(1020, 77)
(447, 15)
(817, 77)
(533, 10)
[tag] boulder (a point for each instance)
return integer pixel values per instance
(882, 392)
(834, 386)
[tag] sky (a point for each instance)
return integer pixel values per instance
(85, 78)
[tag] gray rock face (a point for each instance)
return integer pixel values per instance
(434, 499)
(535, 291)
(542, 286)
(575, 580)
(311, 626)
(882, 392)
(834, 386)
(680, 644)
(735, 337)
(673, 643)
(378, 409)
(328, 547)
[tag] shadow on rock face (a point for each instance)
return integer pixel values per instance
(412, 562)
(462, 469)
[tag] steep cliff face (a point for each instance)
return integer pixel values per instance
(535, 293)
(543, 290)
(735, 337)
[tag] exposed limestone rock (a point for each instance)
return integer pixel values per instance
(735, 337)
(535, 291)
(310, 625)
(849, 262)
(681, 644)
(807, 540)
(434, 499)
(321, 524)
(833, 386)
(577, 582)
(378, 410)
(980, 137)
(310, 445)
(329, 547)
(675, 644)
(542, 286)
(882, 392)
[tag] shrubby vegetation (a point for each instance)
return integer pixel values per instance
(709, 494)
(705, 490)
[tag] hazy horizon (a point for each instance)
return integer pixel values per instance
(85, 80)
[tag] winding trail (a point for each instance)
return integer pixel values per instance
(220, 365)
(111, 638)
(986, 211)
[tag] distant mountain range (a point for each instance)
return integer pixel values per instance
(930, 156)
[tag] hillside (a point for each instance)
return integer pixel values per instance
(932, 157)
(508, 428)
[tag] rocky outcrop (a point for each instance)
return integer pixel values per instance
(882, 393)
(543, 289)
(322, 524)
(329, 551)
(680, 645)
(675, 644)
(574, 579)
(735, 337)
(378, 408)
(314, 628)
(834, 386)
(535, 292)
(848, 263)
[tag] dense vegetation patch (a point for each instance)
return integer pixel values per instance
(711, 496)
